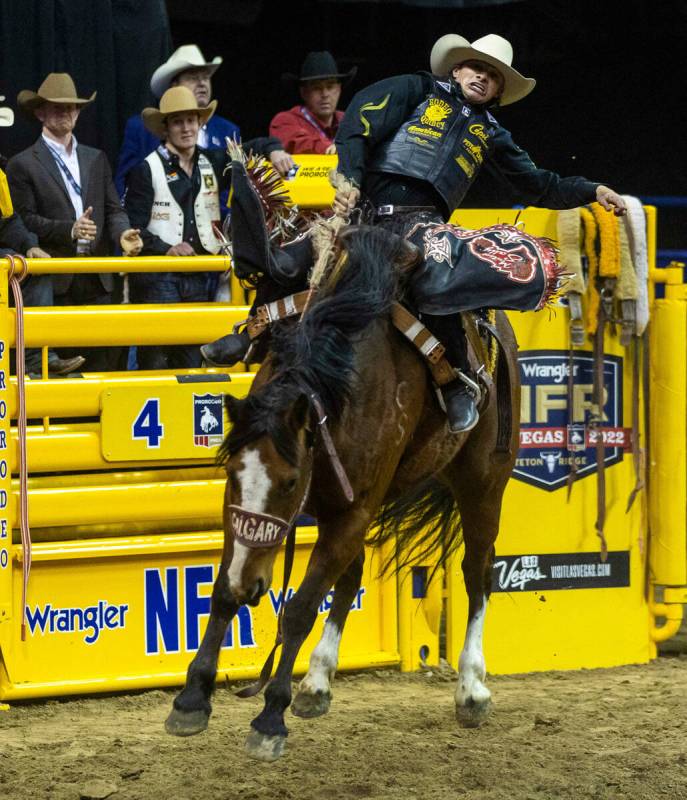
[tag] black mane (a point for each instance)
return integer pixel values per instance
(317, 356)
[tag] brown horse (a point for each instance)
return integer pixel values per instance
(410, 476)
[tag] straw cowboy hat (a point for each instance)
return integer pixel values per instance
(319, 66)
(176, 100)
(452, 49)
(6, 115)
(188, 56)
(58, 87)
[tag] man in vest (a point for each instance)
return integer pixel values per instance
(416, 143)
(173, 196)
(187, 67)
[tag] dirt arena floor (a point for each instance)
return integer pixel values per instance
(616, 733)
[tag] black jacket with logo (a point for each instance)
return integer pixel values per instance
(421, 131)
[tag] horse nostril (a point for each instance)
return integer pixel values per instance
(256, 592)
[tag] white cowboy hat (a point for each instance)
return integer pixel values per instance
(176, 100)
(6, 115)
(188, 56)
(452, 49)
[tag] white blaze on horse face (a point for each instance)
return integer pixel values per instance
(255, 485)
(471, 667)
(323, 661)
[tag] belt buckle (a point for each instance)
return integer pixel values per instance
(385, 211)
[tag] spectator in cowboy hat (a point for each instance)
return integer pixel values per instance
(310, 126)
(174, 197)
(188, 67)
(64, 192)
(36, 289)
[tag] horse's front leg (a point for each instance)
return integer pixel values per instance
(267, 738)
(192, 708)
(315, 691)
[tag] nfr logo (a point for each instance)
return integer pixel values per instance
(164, 609)
(554, 436)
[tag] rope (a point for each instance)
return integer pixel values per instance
(15, 280)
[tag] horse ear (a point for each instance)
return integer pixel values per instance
(297, 415)
(233, 406)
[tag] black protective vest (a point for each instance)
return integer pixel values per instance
(444, 142)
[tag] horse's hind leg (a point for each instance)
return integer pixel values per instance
(479, 502)
(191, 710)
(315, 693)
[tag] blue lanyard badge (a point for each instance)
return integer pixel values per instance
(65, 169)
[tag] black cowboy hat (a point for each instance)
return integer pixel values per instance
(318, 66)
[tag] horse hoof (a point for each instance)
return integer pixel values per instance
(311, 705)
(264, 748)
(473, 714)
(186, 723)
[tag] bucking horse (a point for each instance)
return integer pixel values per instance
(342, 422)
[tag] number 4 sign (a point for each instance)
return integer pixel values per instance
(147, 424)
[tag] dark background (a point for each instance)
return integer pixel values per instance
(608, 102)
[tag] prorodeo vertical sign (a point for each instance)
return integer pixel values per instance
(554, 431)
(5, 472)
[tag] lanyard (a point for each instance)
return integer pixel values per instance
(323, 133)
(65, 169)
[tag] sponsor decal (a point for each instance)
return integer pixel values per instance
(277, 600)
(177, 601)
(425, 131)
(477, 129)
(313, 172)
(208, 420)
(465, 165)
(209, 181)
(554, 436)
(465, 111)
(474, 151)
(436, 113)
(533, 573)
(91, 620)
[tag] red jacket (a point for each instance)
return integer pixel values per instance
(301, 132)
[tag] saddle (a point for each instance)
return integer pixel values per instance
(486, 352)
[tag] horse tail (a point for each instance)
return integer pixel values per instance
(424, 523)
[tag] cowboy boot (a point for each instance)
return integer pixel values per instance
(460, 396)
(461, 406)
(227, 350)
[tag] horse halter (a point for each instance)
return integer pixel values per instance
(256, 530)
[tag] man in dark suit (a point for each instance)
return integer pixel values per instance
(64, 193)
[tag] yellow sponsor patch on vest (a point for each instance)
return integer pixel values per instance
(425, 131)
(436, 113)
(465, 165)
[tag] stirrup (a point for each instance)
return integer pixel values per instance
(473, 386)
